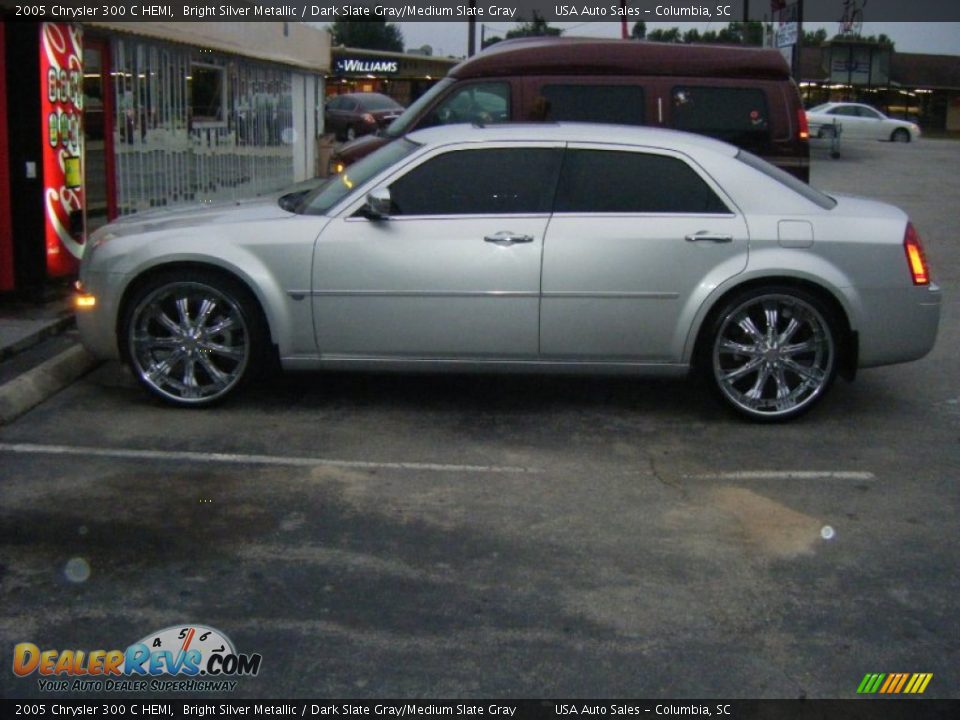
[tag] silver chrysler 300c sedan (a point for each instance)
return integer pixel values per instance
(571, 248)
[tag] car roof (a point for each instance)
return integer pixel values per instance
(362, 95)
(593, 56)
(636, 135)
(838, 104)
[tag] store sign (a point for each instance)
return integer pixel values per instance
(787, 28)
(61, 70)
(344, 66)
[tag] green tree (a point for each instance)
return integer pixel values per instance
(535, 28)
(639, 31)
(814, 39)
(367, 34)
(883, 40)
(735, 33)
(660, 35)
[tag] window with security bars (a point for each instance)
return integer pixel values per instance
(193, 126)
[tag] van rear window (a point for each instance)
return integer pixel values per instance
(737, 115)
(622, 104)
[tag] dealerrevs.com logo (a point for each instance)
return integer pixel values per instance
(178, 658)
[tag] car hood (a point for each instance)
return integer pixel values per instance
(361, 147)
(240, 211)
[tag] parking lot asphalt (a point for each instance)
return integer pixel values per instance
(516, 537)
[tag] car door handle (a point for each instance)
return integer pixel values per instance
(705, 236)
(507, 237)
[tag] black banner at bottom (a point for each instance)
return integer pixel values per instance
(859, 709)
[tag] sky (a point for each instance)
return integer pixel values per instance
(450, 38)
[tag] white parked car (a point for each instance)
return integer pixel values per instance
(558, 248)
(858, 121)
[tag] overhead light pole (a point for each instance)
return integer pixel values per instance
(472, 30)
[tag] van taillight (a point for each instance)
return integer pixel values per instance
(802, 124)
(916, 259)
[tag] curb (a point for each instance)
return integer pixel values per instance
(55, 327)
(36, 385)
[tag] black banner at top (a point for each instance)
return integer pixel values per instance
(719, 11)
(486, 709)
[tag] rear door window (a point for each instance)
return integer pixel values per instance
(610, 181)
(623, 104)
(736, 115)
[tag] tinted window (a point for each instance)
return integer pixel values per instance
(845, 110)
(868, 113)
(482, 103)
(594, 103)
(628, 182)
(469, 182)
(737, 115)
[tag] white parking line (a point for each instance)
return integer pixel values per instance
(785, 475)
(240, 459)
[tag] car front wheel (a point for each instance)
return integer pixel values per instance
(900, 135)
(194, 337)
(773, 353)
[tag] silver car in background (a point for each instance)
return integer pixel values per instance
(550, 248)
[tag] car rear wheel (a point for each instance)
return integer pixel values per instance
(194, 337)
(900, 135)
(773, 353)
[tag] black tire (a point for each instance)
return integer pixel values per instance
(193, 337)
(771, 353)
(900, 135)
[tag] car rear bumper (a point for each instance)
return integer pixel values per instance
(901, 325)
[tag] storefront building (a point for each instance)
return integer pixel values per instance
(100, 120)
(912, 86)
(404, 77)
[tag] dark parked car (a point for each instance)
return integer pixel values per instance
(354, 114)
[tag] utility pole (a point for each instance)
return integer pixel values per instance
(472, 30)
(799, 45)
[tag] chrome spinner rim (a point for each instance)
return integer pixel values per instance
(189, 342)
(773, 355)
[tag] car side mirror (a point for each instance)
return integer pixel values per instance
(378, 204)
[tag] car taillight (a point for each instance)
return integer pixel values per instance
(916, 259)
(804, 132)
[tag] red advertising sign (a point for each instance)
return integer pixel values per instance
(61, 69)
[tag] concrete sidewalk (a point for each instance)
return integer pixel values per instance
(40, 353)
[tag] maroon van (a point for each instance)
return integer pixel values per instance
(744, 96)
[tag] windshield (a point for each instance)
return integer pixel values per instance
(402, 124)
(326, 196)
(820, 108)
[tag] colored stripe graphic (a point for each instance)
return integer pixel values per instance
(870, 683)
(894, 683)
